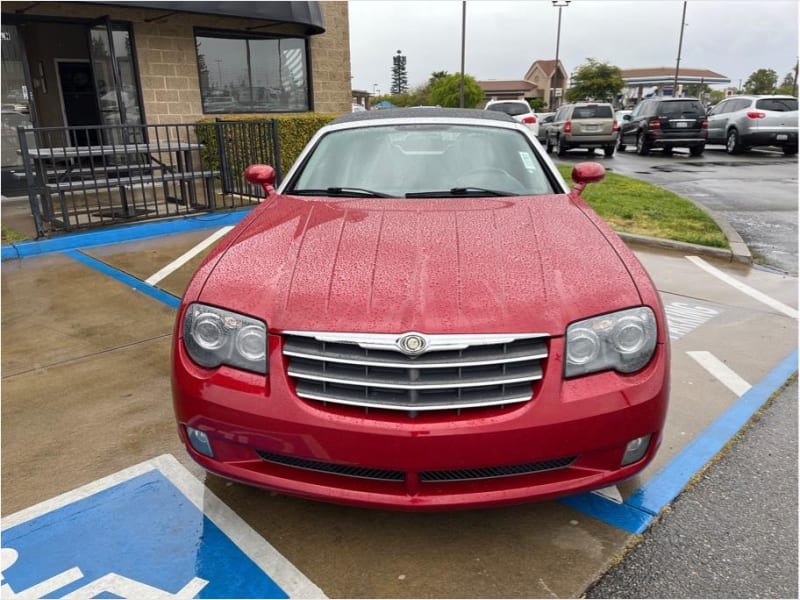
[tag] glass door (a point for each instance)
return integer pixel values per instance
(115, 81)
(16, 107)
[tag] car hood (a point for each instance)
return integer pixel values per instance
(524, 265)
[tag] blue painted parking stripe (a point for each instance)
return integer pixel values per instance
(127, 233)
(129, 280)
(638, 511)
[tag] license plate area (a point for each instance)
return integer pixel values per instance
(781, 137)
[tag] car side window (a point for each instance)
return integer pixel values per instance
(741, 105)
(720, 108)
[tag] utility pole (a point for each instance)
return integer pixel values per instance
(794, 82)
(560, 4)
(463, 45)
(680, 45)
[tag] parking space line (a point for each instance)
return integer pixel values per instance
(744, 288)
(727, 376)
(129, 280)
(187, 256)
(638, 511)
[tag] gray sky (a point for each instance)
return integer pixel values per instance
(731, 37)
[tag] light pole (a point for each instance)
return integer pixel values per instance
(463, 43)
(559, 4)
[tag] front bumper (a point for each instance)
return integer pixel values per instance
(570, 437)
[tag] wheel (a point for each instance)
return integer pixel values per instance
(733, 143)
(642, 145)
(697, 150)
(790, 150)
(562, 147)
(549, 145)
(620, 146)
(609, 150)
(667, 150)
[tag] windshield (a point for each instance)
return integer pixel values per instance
(422, 160)
(511, 108)
(777, 104)
(592, 111)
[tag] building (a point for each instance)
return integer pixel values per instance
(542, 80)
(111, 63)
(659, 81)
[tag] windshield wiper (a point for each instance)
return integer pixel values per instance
(339, 191)
(460, 191)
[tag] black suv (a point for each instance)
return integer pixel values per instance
(665, 123)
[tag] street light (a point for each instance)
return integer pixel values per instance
(559, 4)
(680, 46)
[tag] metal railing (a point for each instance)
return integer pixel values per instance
(95, 176)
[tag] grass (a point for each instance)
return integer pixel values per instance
(634, 206)
(11, 236)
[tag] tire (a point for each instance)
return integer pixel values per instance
(620, 146)
(562, 147)
(549, 145)
(790, 150)
(733, 144)
(609, 151)
(667, 150)
(697, 150)
(642, 145)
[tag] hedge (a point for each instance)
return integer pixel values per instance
(294, 131)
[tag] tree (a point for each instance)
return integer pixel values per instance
(762, 81)
(445, 91)
(596, 80)
(399, 74)
(788, 84)
(537, 104)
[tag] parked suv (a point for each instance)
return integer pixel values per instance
(741, 122)
(665, 123)
(519, 110)
(583, 125)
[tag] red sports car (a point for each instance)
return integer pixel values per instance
(422, 316)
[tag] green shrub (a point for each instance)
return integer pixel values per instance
(294, 132)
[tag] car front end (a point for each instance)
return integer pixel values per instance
(421, 352)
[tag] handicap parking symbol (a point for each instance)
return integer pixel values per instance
(152, 531)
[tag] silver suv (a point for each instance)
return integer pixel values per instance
(583, 125)
(741, 122)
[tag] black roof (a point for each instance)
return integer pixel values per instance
(423, 112)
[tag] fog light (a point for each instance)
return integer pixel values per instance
(199, 441)
(635, 450)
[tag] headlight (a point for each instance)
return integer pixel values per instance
(623, 341)
(214, 336)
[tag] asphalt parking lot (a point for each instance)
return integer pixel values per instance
(88, 430)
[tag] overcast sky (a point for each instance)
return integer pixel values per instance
(731, 37)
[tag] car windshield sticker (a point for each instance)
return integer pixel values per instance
(527, 161)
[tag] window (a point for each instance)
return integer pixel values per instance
(593, 111)
(777, 104)
(245, 73)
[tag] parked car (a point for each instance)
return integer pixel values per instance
(520, 110)
(742, 122)
(421, 316)
(358, 107)
(583, 125)
(665, 123)
(544, 122)
(620, 115)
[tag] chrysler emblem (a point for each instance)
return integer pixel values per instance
(412, 344)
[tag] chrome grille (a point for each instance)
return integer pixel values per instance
(455, 372)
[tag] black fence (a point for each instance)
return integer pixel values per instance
(90, 177)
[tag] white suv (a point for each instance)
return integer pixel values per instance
(519, 110)
(741, 122)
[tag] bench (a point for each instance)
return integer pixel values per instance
(122, 184)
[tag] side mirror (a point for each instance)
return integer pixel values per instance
(262, 175)
(626, 117)
(585, 173)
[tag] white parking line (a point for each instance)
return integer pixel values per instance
(752, 292)
(721, 371)
(186, 257)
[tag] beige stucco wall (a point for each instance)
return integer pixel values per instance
(167, 59)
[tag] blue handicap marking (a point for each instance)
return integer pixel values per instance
(141, 535)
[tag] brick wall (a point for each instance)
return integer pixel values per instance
(167, 58)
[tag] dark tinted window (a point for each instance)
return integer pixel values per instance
(510, 108)
(679, 108)
(593, 111)
(778, 104)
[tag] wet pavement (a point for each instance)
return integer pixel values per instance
(86, 395)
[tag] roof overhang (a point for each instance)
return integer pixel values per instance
(308, 14)
(671, 79)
